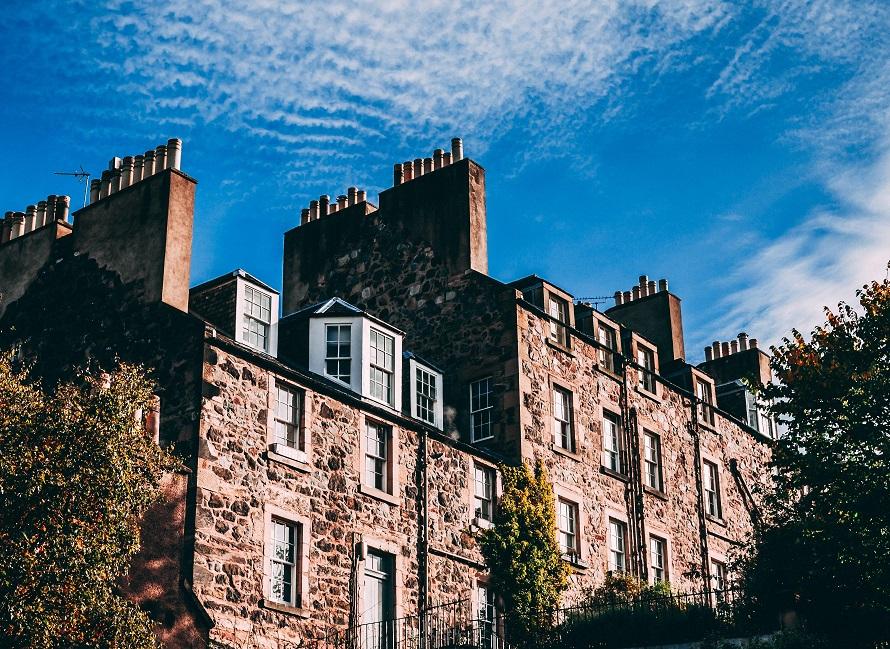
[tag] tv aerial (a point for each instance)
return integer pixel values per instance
(82, 176)
(596, 300)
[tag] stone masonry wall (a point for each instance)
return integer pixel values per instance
(578, 477)
(237, 483)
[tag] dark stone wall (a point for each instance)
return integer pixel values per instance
(657, 317)
(216, 305)
(23, 257)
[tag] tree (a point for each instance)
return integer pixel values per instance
(77, 471)
(824, 546)
(522, 553)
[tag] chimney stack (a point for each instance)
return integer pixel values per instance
(457, 149)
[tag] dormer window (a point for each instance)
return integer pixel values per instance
(257, 317)
(382, 360)
(338, 355)
(425, 385)
(558, 309)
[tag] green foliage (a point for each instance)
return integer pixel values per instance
(522, 553)
(824, 544)
(623, 588)
(77, 473)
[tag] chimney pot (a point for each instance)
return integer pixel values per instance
(351, 192)
(94, 191)
(138, 164)
(628, 296)
(341, 201)
(618, 298)
(51, 201)
(636, 292)
(304, 216)
(734, 346)
(313, 210)
(650, 287)
(62, 203)
(30, 217)
(114, 163)
(427, 165)
(361, 196)
(418, 167)
(446, 158)
(148, 161)
(438, 159)
(407, 171)
(41, 208)
(716, 347)
(18, 225)
(104, 188)
(457, 149)
(115, 181)
(160, 158)
(752, 344)
(6, 227)
(644, 280)
(397, 174)
(724, 349)
(324, 204)
(709, 354)
(127, 172)
(743, 341)
(174, 153)
(662, 285)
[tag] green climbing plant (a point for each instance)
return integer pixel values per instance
(523, 557)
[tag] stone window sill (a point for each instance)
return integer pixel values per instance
(614, 474)
(561, 348)
(379, 495)
(287, 609)
(567, 453)
(716, 520)
(482, 439)
(575, 561)
(649, 395)
(299, 465)
(655, 492)
(708, 425)
(482, 523)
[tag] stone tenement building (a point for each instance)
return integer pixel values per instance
(342, 439)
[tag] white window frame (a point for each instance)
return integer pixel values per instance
(485, 413)
(299, 562)
(350, 359)
(484, 476)
(617, 536)
(382, 363)
(414, 369)
(646, 359)
(245, 315)
(711, 487)
(563, 418)
(607, 336)
(558, 310)
(719, 575)
(705, 393)
(658, 557)
(568, 523)
(372, 454)
(612, 451)
(652, 460)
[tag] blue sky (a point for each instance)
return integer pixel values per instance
(742, 150)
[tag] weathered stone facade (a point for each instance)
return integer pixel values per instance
(418, 263)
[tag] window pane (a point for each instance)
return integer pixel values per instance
(481, 406)
(338, 351)
(377, 456)
(425, 396)
(611, 442)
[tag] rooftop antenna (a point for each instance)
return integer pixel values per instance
(82, 176)
(596, 300)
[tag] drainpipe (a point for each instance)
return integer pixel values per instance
(700, 492)
(423, 535)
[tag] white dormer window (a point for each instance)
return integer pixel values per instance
(257, 320)
(338, 353)
(426, 394)
(382, 361)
